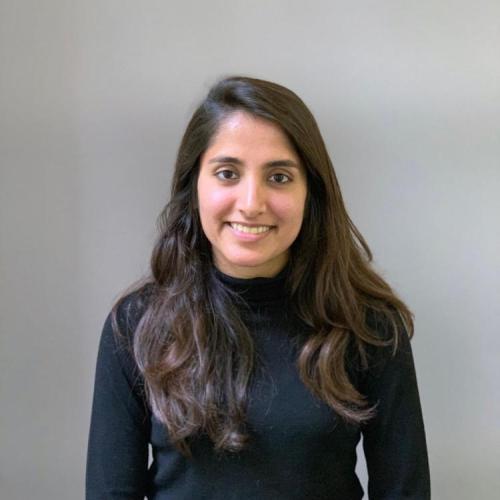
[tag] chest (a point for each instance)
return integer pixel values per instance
(281, 411)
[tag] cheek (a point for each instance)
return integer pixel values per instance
(290, 209)
(213, 202)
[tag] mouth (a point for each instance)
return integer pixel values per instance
(250, 229)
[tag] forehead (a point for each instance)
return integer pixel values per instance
(241, 130)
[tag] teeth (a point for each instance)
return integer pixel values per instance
(252, 230)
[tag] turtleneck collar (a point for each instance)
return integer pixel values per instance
(257, 290)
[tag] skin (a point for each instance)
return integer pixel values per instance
(251, 174)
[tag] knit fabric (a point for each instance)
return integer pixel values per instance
(299, 448)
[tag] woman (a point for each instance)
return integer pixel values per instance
(263, 345)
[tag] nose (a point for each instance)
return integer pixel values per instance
(251, 198)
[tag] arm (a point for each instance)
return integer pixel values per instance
(117, 455)
(394, 441)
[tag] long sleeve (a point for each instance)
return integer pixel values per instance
(394, 441)
(117, 456)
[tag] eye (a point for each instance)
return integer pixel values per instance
(226, 175)
(280, 178)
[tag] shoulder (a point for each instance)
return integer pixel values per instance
(129, 309)
(118, 377)
(390, 339)
(117, 337)
(386, 326)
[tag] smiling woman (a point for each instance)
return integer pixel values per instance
(251, 196)
(263, 344)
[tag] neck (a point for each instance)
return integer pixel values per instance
(257, 290)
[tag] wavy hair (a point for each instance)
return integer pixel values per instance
(191, 346)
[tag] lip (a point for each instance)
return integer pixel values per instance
(249, 225)
(249, 236)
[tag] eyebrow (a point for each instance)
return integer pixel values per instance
(269, 164)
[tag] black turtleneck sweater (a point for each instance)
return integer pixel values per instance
(299, 448)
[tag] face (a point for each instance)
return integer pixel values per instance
(251, 196)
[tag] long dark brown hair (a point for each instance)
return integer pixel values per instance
(190, 343)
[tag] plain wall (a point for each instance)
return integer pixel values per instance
(94, 97)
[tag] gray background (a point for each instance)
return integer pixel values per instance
(94, 98)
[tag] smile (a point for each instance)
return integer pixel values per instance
(250, 229)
